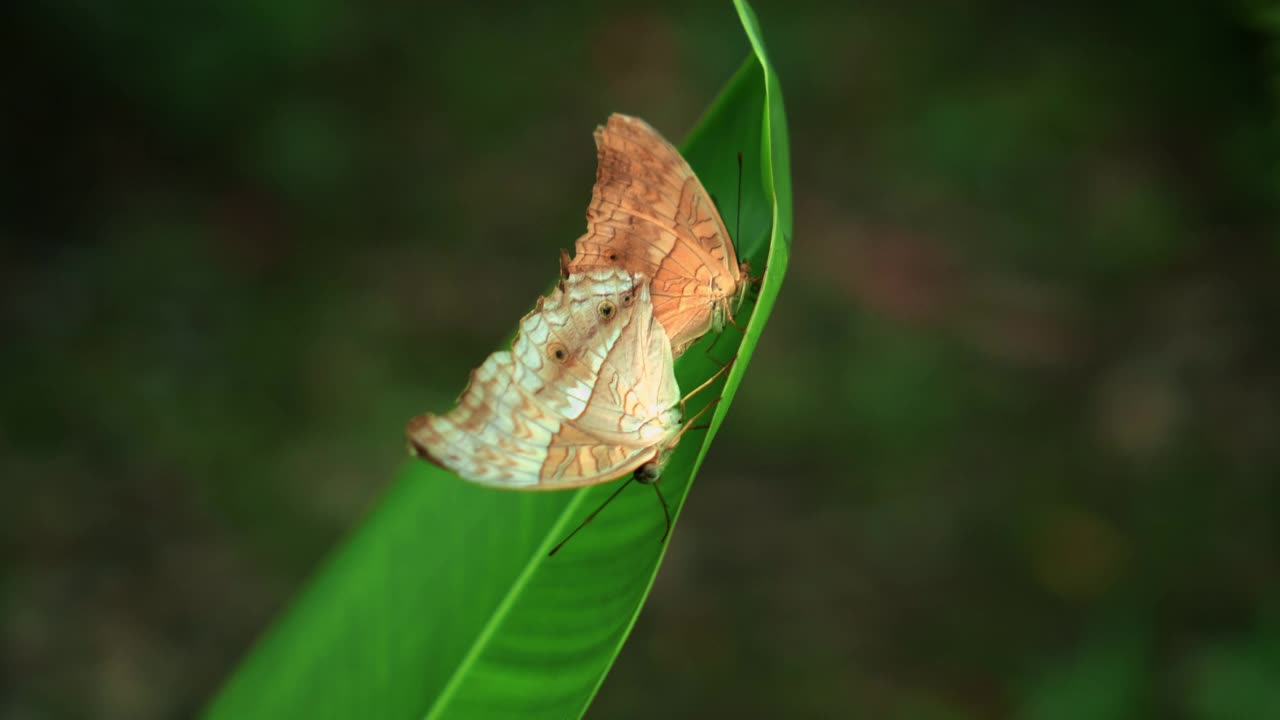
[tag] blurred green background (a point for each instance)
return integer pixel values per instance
(1009, 447)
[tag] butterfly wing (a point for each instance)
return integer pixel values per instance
(649, 213)
(570, 404)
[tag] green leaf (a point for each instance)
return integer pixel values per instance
(443, 603)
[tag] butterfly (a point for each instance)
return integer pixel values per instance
(586, 394)
(649, 213)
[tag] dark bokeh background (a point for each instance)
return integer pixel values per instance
(1010, 446)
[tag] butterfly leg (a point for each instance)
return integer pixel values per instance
(686, 427)
(666, 513)
(745, 268)
(684, 400)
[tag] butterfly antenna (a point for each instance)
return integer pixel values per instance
(711, 347)
(595, 512)
(666, 513)
(737, 223)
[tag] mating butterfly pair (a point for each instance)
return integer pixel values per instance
(588, 391)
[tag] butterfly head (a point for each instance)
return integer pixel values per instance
(648, 473)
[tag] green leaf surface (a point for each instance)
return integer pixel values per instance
(444, 603)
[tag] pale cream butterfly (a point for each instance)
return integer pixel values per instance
(586, 394)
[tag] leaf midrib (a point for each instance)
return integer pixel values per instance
(504, 608)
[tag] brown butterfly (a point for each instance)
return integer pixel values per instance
(650, 214)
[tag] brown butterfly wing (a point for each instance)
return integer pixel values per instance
(649, 213)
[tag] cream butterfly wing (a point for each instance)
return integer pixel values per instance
(586, 394)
